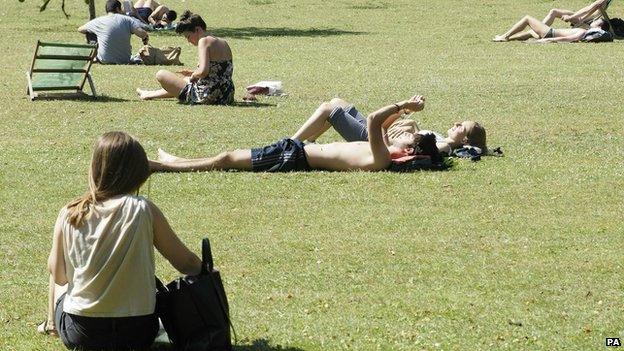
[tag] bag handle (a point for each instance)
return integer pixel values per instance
(160, 286)
(207, 263)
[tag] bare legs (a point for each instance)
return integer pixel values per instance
(548, 20)
(237, 159)
(171, 85)
(536, 26)
(317, 124)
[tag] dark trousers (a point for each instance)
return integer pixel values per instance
(104, 333)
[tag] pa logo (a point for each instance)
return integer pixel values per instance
(614, 342)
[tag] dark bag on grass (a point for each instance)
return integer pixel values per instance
(194, 309)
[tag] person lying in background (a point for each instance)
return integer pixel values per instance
(151, 12)
(546, 34)
(583, 18)
(288, 155)
(351, 125)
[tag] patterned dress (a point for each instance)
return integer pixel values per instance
(217, 88)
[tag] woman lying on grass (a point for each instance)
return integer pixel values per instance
(292, 155)
(103, 255)
(351, 125)
(583, 18)
(546, 34)
(211, 83)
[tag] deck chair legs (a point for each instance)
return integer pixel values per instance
(91, 85)
(29, 89)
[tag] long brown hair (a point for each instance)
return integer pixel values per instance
(118, 166)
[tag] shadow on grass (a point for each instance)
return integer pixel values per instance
(262, 32)
(256, 345)
(252, 104)
(77, 97)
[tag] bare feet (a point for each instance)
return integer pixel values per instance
(500, 38)
(143, 94)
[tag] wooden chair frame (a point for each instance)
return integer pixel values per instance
(32, 90)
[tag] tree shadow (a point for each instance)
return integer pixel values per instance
(77, 97)
(262, 32)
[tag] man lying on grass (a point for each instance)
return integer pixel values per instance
(292, 155)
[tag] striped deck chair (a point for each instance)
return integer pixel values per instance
(58, 66)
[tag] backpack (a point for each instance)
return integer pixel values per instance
(167, 55)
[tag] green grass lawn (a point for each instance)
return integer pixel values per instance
(522, 252)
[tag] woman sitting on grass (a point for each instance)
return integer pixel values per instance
(103, 255)
(351, 125)
(211, 83)
(547, 34)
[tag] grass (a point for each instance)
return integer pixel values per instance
(520, 252)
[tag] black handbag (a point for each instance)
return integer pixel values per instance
(194, 309)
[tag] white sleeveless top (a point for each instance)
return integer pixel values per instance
(109, 260)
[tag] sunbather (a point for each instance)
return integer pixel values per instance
(151, 12)
(548, 34)
(582, 18)
(351, 125)
(292, 155)
(211, 82)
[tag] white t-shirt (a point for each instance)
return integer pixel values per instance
(109, 260)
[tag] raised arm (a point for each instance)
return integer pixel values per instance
(586, 12)
(376, 120)
(171, 247)
(157, 13)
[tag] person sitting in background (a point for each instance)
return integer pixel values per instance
(211, 82)
(547, 34)
(103, 255)
(351, 125)
(113, 32)
(151, 12)
(291, 155)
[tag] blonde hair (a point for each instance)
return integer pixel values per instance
(119, 166)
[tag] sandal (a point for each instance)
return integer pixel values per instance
(44, 329)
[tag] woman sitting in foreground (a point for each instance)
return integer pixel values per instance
(103, 255)
(351, 125)
(547, 34)
(211, 83)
